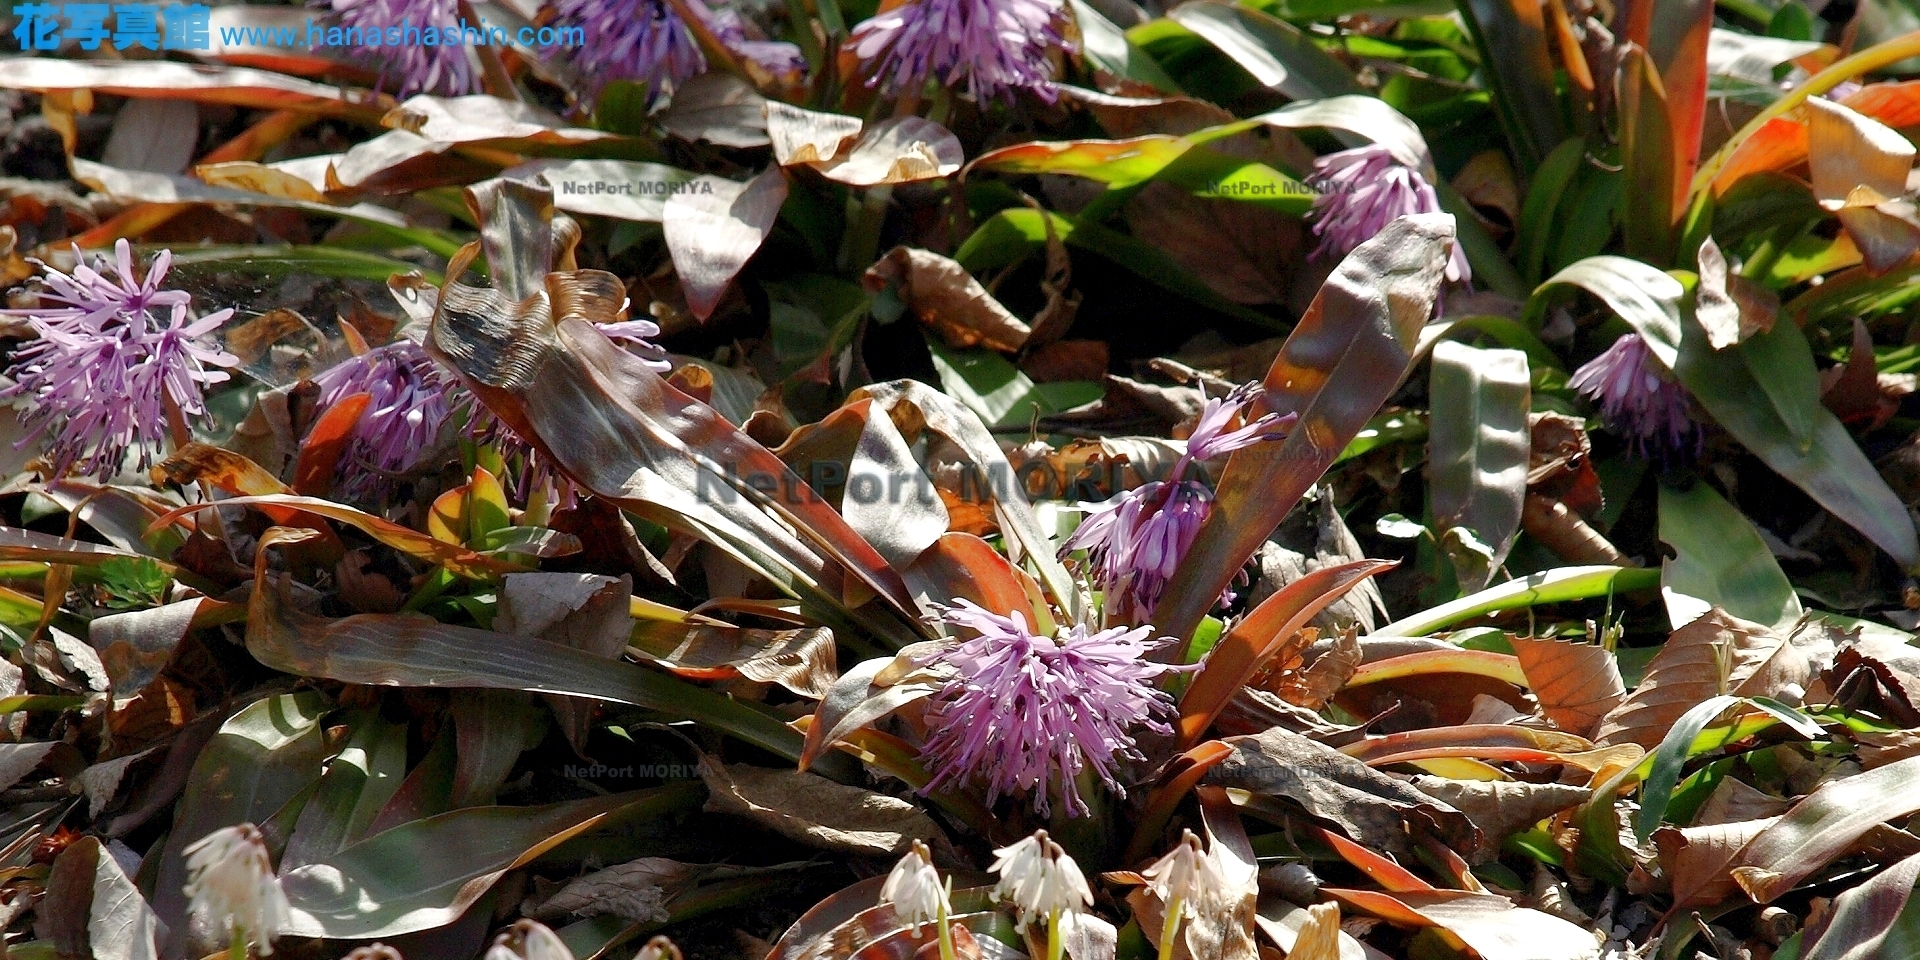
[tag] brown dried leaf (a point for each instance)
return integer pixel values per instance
(1314, 686)
(1696, 860)
(1714, 655)
(1370, 806)
(714, 227)
(1244, 252)
(635, 891)
(1576, 683)
(1501, 808)
(808, 136)
(900, 150)
(944, 296)
(584, 611)
(802, 661)
(816, 811)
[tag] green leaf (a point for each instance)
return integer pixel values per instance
(1512, 39)
(1832, 469)
(359, 781)
(425, 874)
(1002, 396)
(265, 756)
(1273, 51)
(1010, 235)
(1479, 449)
(1646, 298)
(1106, 46)
(1719, 560)
(1538, 220)
(325, 261)
(1548, 586)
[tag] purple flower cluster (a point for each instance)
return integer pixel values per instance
(994, 47)
(1640, 399)
(1137, 540)
(646, 41)
(638, 40)
(411, 402)
(115, 361)
(1361, 191)
(444, 69)
(1028, 714)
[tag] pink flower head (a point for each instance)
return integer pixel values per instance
(106, 366)
(411, 402)
(639, 40)
(1364, 189)
(442, 69)
(993, 47)
(1211, 439)
(1137, 540)
(1640, 399)
(1026, 713)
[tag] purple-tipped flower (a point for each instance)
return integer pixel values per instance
(1361, 191)
(1026, 713)
(1137, 540)
(443, 69)
(114, 362)
(1640, 399)
(411, 401)
(993, 47)
(782, 61)
(639, 40)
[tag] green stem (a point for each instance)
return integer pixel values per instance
(1170, 926)
(237, 945)
(946, 929)
(1056, 938)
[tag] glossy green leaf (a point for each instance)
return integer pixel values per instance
(264, 756)
(1002, 396)
(1720, 561)
(1512, 40)
(359, 781)
(1832, 469)
(1646, 150)
(1106, 46)
(1276, 53)
(1549, 586)
(1538, 220)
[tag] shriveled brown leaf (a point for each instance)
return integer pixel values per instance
(808, 136)
(800, 660)
(944, 296)
(1124, 117)
(1576, 683)
(1824, 826)
(1501, 808)
(1242, 251)
(900, 150)
(1698, 860)
(635, 891)
(1370, 806)
(1880, 749)
(714, 227)
(1714, 655)
(1862, 916)
(1733, 801)
(717, 107)
(816, 811)
(584, 611)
